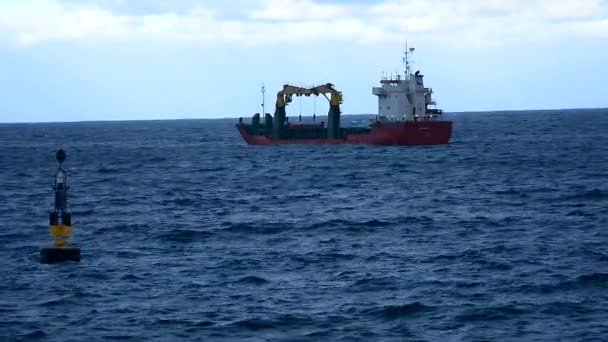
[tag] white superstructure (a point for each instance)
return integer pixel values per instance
(404, 98)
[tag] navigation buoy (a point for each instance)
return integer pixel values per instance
(60, 221)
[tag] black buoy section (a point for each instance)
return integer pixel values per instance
(60, 221)
(53, 255)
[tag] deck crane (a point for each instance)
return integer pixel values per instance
(284, 97)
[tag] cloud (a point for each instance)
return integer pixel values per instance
(30, 22)
(299, 10)
(477, 22)
(571, 10)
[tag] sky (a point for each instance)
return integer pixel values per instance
(80, 60)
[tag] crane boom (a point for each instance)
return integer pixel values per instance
(284, 98)
(285, 94)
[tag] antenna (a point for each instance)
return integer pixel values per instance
(407, 56)
(263, 103)
(406, 37)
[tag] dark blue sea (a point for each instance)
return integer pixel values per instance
(188, 234)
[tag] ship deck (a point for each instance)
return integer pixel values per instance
(303, 131)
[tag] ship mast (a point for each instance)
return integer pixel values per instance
(263, 103)
(407, 58)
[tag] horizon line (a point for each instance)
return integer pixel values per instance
(304, 116)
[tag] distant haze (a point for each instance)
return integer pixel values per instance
(69, 60)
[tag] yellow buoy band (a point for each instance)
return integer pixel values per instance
(60, 230)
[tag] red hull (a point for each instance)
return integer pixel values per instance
(394, 133)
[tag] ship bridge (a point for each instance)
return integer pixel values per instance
(405, 97)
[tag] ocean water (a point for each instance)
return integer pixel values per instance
(188, 234)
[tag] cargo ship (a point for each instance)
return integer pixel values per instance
(407, 115)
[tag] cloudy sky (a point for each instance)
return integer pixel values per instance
(72, 60)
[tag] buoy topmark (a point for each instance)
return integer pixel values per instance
(60, 221)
